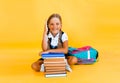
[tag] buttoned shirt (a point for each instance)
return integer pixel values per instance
(54, 40)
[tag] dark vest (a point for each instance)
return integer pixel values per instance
(60, 43)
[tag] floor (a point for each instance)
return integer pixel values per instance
(15, 67)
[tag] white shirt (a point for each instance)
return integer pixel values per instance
(54, 40)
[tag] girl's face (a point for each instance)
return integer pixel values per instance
(54, 25)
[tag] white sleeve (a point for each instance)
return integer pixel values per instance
(64, 37)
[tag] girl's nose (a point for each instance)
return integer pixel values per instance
(55, 25)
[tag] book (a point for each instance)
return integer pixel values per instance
(53, 54)
(54, 64)
(53, 67)
(54, 60)
(56, 75)
(55, 72)
(52, 57)
(49, 55)
(51, 70)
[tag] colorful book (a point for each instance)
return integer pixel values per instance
(53, 67)
(54, 64)
(54, 60)
(55, 72)
(56, 75)
(51, 55)
(51, 70)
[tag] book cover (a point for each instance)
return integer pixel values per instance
(53, 55)
(53, 67)
(56, 75)
(54, 60)
(54, 72)
(51, 70)
(54, 64)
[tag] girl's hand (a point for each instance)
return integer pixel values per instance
(42, 52)
(45, 27)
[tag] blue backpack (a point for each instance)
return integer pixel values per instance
(85, 55)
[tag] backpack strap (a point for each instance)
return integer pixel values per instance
(88, 52)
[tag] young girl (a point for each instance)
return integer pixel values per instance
(54, 40)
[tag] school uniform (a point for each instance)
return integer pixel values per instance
(57, 41)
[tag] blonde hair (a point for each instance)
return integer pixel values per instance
(52, 16)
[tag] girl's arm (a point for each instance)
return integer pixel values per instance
(63, 50)
(45, 39)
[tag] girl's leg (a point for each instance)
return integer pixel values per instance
(37, 65)
(72, 60)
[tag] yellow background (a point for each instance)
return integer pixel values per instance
(87, 22)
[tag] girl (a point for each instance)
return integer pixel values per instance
(54, 40)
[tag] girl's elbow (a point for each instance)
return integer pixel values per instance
(66, 51)
(44, 48)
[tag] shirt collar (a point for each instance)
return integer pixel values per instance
(51, 36)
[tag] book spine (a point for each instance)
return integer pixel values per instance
(53, 55)
(56, 72)
(56, 60)
(55, 64)
(56, 75)
(55, 67)
(52, 70)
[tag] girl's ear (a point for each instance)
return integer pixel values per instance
(61, 24)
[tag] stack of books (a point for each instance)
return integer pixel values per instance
(54, 64)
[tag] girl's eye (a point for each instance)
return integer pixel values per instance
(51, 24)
(57, 23)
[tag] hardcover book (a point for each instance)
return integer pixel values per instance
(54, 64)
(50, 55)
(54, 60)
(56, 75)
